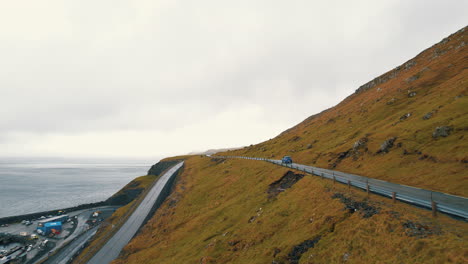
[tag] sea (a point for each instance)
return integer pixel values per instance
(36, 185)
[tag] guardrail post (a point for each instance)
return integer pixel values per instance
(334, 179)
(322, 175)
(367, 188)
(434, 208)
(349, 184)
(394, 197)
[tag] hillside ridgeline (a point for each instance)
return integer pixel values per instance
(407, 126)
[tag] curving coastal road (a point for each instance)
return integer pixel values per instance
(450, 204)
(112, 248)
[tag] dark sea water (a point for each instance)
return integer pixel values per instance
(28, 187)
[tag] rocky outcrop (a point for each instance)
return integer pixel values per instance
(405, 116)
(428, 115)
(386, 77)
(438, 50)
(387, 145)
(360, 144)
(443, 131)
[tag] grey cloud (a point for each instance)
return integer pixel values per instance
(83, 67)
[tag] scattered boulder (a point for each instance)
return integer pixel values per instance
(427, 157)
(309, 146)
(405, 116)
(387, 145)
(443, 131)
(340, 157)
(391, 101)
(461, 45)
(346, 256)
(428, 115)
(361, 143)
(233, 242)
(413, 78)
(343, 155)
(251, 219)
(411, 94)
(409, 65)
(295, 138)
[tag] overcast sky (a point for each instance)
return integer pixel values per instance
(155, 78)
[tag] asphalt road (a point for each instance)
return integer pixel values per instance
(79, 234)
(112, 248)
(451, 204)
(447, 203)
(70, 250)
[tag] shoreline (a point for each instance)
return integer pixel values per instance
(19, 218)
(122, 197)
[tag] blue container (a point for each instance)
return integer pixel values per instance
(47, 227)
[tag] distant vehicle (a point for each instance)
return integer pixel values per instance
(96, 214)
(286, 160)
(44, 243)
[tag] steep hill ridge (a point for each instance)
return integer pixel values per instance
(407, 126)
(388, 130)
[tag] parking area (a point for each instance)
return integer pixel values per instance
(33, 239)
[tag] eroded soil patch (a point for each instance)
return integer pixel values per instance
(352, 206)
(288, 180)
(300, 249)
(419, 230)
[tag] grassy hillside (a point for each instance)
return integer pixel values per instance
(406, 104)
(407, 126)
(224, 211)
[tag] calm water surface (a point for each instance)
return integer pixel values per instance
(28, 187)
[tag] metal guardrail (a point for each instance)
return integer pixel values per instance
(436, 201)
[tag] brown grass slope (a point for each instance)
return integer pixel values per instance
(243, 211)
(220, 212)
(434, 83)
